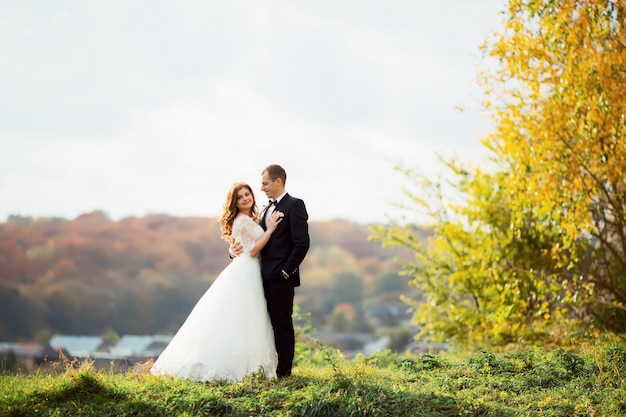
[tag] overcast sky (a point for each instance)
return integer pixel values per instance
(148, 106)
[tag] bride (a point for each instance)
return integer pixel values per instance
(228, 333)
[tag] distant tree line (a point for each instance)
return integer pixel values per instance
(92, 275)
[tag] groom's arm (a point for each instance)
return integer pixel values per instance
(299, 236)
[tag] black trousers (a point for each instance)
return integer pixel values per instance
(279, 297)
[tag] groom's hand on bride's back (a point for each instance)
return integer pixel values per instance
(235, 249)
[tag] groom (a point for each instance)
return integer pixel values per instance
(280, 261)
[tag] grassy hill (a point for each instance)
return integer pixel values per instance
(556, 383)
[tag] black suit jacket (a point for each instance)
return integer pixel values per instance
(288, 244)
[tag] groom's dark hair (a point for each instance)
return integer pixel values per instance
(276, 171)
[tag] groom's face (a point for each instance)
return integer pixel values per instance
(269, 187)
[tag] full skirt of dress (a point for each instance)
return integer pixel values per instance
(228, 333)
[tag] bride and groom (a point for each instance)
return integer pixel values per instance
(243, 322)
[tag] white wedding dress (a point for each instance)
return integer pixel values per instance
(228, 333)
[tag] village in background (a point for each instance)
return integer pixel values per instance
(115, 292)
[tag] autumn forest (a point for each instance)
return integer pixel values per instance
(92, 275)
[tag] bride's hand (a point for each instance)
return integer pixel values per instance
(274, 219)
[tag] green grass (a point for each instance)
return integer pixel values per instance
(589, 382)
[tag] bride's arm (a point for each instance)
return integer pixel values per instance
(260, 243)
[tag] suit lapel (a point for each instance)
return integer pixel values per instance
(282, 201)
(280, 204)
(263, 225)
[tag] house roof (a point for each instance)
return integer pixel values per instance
(32, 350)
(131, 345)
(78, 346)
(92, 346)
(21, 349)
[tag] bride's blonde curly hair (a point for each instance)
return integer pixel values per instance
(230, 209)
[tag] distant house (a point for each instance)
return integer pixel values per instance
(130, 350)
(377, 345)
(419, 347)
(140, 346)
(347, 342)
(28, 356)
(389, 314)
(78, 346)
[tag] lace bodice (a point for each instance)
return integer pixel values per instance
(246, 231)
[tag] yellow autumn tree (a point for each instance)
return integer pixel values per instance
(481, 281)
(534, 250)
(558, 95)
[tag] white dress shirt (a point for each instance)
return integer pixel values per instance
(271, 208)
